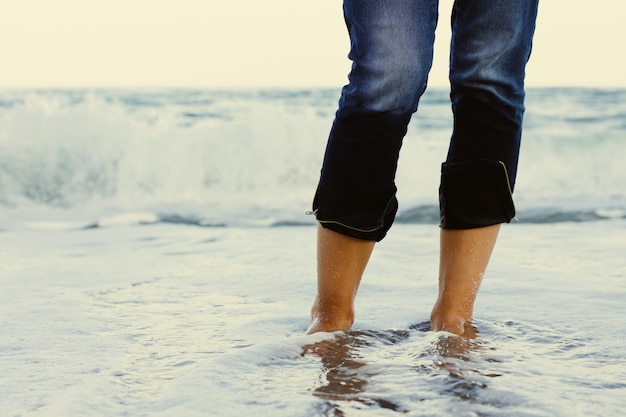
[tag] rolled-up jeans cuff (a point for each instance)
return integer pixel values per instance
(366, 224)
(475, 194)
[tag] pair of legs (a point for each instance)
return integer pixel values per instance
(342, 260)
(355, 203)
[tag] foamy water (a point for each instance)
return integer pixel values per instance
(156, 261)
(177, 320)
(252, 157)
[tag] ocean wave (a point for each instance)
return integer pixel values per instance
(429, 214)
(253, 156)
(422, 215)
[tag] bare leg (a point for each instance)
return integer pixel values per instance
(463, 260)
(341, 261)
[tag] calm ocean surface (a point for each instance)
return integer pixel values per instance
(155, 260)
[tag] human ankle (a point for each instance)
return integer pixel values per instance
(330, 318)
(459, 323)
(329, 324)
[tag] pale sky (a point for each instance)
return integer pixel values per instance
(254, 43)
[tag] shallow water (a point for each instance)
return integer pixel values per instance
(165, 320)
(143, 271)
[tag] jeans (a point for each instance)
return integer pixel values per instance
(391, 52)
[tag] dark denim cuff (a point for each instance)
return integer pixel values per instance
(474, 194)
(365, 224)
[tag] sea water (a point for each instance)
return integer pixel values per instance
(155, 260)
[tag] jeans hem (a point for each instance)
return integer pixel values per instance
(475, 194)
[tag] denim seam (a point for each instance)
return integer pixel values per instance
(350, 227)
(506, 172)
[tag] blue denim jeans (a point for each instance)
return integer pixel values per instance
(391, 53)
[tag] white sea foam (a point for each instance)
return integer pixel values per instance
(253, 157)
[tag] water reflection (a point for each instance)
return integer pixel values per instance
(461, 367)
(345, 373)
(343, 377)
(356, 365)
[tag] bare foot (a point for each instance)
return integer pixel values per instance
(329, 319)
(455, 324)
